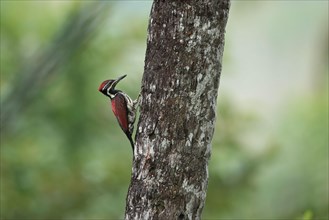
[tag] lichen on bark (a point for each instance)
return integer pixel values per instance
(178, 109)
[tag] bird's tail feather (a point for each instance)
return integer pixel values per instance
(131, 141)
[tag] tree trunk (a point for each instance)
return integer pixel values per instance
(178, 109)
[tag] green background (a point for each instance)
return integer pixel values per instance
(63, 156)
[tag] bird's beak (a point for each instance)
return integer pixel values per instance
(118, 80)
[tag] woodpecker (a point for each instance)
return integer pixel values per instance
(123, 107)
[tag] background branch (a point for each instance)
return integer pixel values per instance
(33, 74)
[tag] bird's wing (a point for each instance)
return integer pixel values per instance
(119, 108)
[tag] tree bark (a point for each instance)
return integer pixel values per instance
(178, 109)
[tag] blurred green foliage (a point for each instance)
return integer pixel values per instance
(63, 155)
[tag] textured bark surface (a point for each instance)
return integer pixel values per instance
(178, 109)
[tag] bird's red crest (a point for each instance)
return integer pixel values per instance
(102, 85)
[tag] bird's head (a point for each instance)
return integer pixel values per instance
(108, 86)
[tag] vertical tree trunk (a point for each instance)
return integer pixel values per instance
(178, 109)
